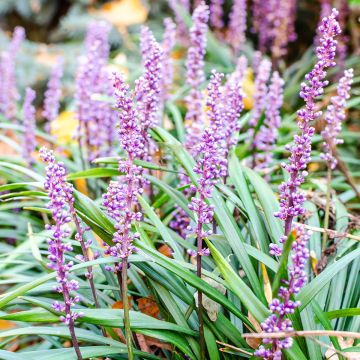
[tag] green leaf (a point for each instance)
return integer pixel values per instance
(335, 314)
(238, 286)
(93, 173)
(138, 320)
(161, 227)
(314, 287)
(268, 203)
(193, 280)
(257, 226)
(282, 272)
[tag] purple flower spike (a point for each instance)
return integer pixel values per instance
(211, 163)
(53, 94)
(91, 79)
(291, 199)
(237, 25)
(334, 116)
(29, 125)
(182, 31)
(169, 41)
(195, 75)
(274, 22)
(260, 91)
(8, 91)
(283, 29)
(60, 193)
(325, 11)
(233, 99)
(147, 87)
(284, 305)
(121, 197)
(266, 138)
(217, 14)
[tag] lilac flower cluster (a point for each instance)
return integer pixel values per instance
(29, 123)
(274, 24)
(266, 138)
(121, 197)
(291, 199)
(60, 194)
(95, 117)
(53, 94)
(195, 76)
(283, 29)
(210, 165)
(168, 43)
(282, 306)
(225, 104)
(217, 14)
(182, 32)
(237, 25)
(8, 91)
(147, 87)
(325, 11)
(233, 100)
(260, 91)
(334, 116)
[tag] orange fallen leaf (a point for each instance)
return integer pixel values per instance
(6, 324)
(148, 306)
(81, 186)
(165, 250)
(267, 285)
(252, 342)
(120, 305)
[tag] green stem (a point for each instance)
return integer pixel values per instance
(199, 293)
(327, 206)
(124, 295)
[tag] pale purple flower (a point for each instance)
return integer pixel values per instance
(168, 43)
(212, 162)
(291, 198)
(217, 14)
(261, 9)
(8, 91)
(195, 75)
(260, 91)
(53, 94)
(182, 31)
(283, 306)
(334, 116)
(282, 20)
(325, 11)
(60, 193)
(90, 80)
(256, 61)
(147, 87)
(237, 25)
(121, 197)
(274, 23)
(29, 122)
(265, 139)
(233, 100)
(344, 12)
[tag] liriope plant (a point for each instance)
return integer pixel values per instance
(243, 279)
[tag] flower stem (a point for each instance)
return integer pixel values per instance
(199, 293)
(327, 206)
(71, 324)
(124, 296)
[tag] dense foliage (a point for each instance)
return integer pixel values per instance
(183, 190)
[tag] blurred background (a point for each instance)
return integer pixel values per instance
(57, 27)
